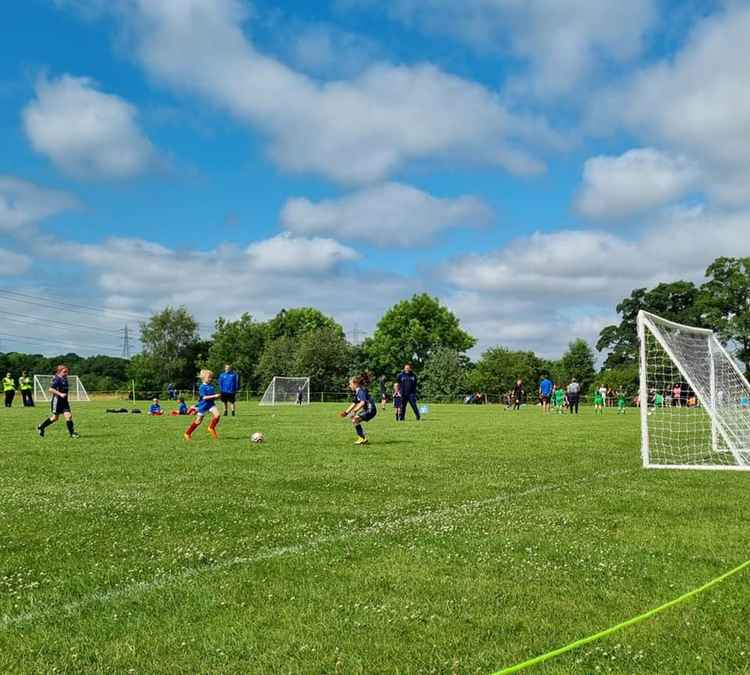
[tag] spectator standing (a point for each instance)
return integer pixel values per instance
(407, 381)
(545, 393)
(9, 389)
(518, 394)
(27, 390)
(229, 385)
(574, 396)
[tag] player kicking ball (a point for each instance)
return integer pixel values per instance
(362, 408)
(60, 403)
(206, 404)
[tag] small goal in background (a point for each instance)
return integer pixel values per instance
(76, 392)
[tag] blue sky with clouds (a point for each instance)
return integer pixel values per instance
(528, 161)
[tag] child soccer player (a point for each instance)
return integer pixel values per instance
(206, 404)
(397, 399)
(300, 394)
(155, 408)
(60, 404)
(620, 402)
(362, 406)
(599, 401)
(560, 399)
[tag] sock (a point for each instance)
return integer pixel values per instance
(233, 413)
(214, 423)
(46, 423)
(71, 428)
(360, 431)
(193, 426)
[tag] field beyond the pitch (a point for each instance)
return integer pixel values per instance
(465, 543)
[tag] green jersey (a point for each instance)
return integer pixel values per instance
(560, 396)
(658, 400)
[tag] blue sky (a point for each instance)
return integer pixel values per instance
(528, 162)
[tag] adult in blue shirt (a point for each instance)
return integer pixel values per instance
(229, 385)
(545, 393)
(407, 381)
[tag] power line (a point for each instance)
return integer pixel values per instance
(4, 313)
(68, 345)
(62, 303)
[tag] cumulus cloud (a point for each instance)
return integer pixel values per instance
(696, 102)
(85, 132)
(563, 42)
(13, 264)
(23, 204)
(355, 131)
(285, 253)
(636, 181)
(391, 214)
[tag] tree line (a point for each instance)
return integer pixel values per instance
(305, 342)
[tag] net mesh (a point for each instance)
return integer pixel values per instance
(77, 392)
(287, 390)
(697, 410)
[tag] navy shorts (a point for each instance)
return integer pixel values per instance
(228, 398)
(367, 415)
(60, 405)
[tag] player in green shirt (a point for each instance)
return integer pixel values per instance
(599, 401)
(560, 399)
(620, 402)
(658, 400)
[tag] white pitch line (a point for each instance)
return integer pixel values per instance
(142, 587)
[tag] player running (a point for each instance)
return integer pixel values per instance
(206, 404)
(362, 407)
(60, 404)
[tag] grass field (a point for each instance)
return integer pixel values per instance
(462, 544)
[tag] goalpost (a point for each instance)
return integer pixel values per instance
(695, 401)
(77, 391)
(287, 390)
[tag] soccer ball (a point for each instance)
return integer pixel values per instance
(257, 437)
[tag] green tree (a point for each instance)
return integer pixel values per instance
(725, 304)
(622, 378)
(239, 343)
(324, 356)
(499, 368)
(676, 301)
(296, 322)
(443, 377)
(171, 344)
(578, 362)
(411, 331)
(279, 358)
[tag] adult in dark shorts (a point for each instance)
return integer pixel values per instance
(60, 404)
(519, 393)
(229, 385)
(545, 393)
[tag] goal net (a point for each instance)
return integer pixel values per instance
(287, 390)
(695, 401)
(76, 392)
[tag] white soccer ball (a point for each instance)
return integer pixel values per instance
(257, 437)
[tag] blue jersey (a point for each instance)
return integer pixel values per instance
(154, 408)
(59, 383)
(362, 395)
(229, 383)
(545, 387)
(205, 405)
(407, 383)
(183, 409)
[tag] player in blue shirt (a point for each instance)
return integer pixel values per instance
(229, 385)
(206, 404)
(155, 408)
(362, 408)
(545, 393)
(407, 382)
(60, 404)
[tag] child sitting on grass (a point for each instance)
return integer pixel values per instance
(182, 409)
(155, 408)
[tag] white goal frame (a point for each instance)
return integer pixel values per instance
(729, 431)
(77, 391)
(283, 391)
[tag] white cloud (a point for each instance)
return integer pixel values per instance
(391, 214)
(636, 181)
(23, 204)
(287, 254)
(696, 102)
(85, 132)
(13, 264)
(354, 131)
(563, 42)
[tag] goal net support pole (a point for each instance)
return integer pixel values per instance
(695, 401)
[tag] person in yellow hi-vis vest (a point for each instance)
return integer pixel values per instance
(27, 388)
(9, 388)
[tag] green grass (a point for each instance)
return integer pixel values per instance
(468, 542)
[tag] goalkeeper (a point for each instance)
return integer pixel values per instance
(362, 408)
